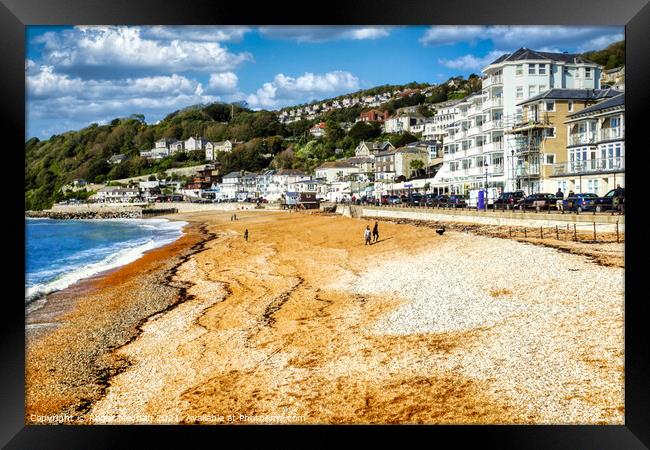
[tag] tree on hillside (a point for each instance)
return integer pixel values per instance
(284, 160)
(401, 140)
(364, 131)
(416, 166)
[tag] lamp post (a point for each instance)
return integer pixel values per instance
(486, 187)
(512, 160)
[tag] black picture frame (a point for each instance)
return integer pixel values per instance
(634, 14)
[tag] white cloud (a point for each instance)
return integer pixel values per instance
(221, 83)
(54, 97)
(306, 33)
(468, 63)
(285, 90)
(530, 36)
(199, 33)
(452, 34)
(125, 47)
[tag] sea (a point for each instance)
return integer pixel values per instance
(61, 252)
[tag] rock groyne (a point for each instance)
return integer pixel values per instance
(91, 214)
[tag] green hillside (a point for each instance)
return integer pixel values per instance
(611, 56)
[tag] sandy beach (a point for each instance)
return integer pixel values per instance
(305, 324)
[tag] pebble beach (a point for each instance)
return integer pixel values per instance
(305, 324)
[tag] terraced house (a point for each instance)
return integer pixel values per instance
(539, 141)
(596, 148)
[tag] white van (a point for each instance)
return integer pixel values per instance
(472, 201)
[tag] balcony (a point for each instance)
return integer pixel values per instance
(527, 171)
(497, 170)
(607, 134)
(493, 80)
(582, 138)
(493, 146)
(588, 166)
(494, 102)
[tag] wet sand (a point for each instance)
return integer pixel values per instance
(287, 328)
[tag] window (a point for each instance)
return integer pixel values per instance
(531, 91)
(519, 69)
(570, 106)
(587, 72)
(542, 69)
(531, 69)
(520, 92)
(542, 88)
(549, 105)
(549, 132)
(550, 158)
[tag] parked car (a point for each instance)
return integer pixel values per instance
(441, 200)
(541, 200)
(429, 199)
(456, 201)
(509, 200)
(416, 199)
(580, 202)
(394, 199)
(606, 202)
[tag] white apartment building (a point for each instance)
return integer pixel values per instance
(435, 128)
(335, 170)
(404, 123)
(111, 194)
(513, 78)
(193, 143)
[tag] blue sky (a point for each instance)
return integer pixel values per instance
(85, 74)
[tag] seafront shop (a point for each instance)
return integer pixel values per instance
(388, 188)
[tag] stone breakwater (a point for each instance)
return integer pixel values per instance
(91, 214)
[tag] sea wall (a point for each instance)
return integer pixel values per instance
(584, 222)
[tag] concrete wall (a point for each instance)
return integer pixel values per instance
(584, 222)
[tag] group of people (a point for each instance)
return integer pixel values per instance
(375, 234)
(233, 217)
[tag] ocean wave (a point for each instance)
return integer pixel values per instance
(124, 253)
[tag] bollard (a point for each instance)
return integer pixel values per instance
(575, 235)
(617, 231)
(510, 230)
(541, 233)
(594, 231)
(557, 233)
(525, 235)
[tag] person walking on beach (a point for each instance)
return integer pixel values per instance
(375, 232)
(618, 198)
(559, 203)
(246, 234)
(366, 235)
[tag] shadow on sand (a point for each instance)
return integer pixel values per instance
(380, 240)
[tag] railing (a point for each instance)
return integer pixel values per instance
(494, 102)
(527, 148)
(495, 79)
(588, 166)
(582, 138)
(612, 133)
(526, 171)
